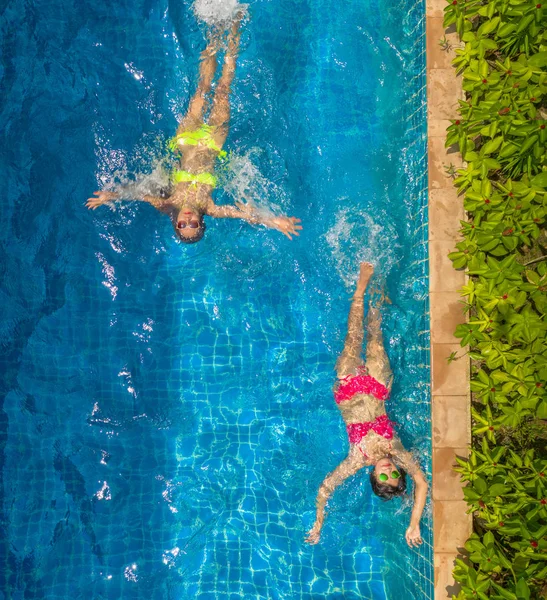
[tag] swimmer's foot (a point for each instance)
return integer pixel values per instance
(241, 13)
(234, 35)
(366, 270)
(314, 534)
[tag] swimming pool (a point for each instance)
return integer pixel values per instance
(167, 412)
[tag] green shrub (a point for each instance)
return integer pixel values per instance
(501, 133)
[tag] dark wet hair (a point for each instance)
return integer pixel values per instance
(200, 232)
(386, 491)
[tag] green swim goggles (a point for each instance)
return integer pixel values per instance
(394, 475)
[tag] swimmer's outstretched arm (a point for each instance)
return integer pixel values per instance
(413, 535)
(406, 461)
(102, 197)
(345, 469)
(288, 226)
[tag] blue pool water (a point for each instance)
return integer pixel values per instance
(167, 414)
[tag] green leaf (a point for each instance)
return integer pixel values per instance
(525, 23)
(480, 485)
(503, 592)
(488, 539)
(540, 180)
(523, 591)
(492, 145)
(506, 30)
(470, 494)
(528, 144)
(538, 60)
(474, 546)
(498, 489)
(541, 411)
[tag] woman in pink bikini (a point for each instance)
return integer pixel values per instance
(360, 393)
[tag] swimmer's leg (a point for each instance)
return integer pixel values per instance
(350, 358)
(377, 361)
(220, 112)
(196, 108)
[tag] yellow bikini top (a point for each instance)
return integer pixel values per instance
(178, 176)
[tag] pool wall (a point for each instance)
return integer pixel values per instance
(449, 381)
(419, 571)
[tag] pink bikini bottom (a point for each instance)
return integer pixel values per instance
(360, 384)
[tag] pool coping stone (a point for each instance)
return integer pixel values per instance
(450, 392)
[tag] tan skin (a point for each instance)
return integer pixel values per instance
(358, 409)
(189, 202)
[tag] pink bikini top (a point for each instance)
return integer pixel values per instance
(360, 384)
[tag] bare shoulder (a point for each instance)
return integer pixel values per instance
(404, 458)
(161, 204)
(210, 207)
(356, 457)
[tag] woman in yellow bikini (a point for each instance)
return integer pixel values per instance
(199, 145)
(360, 393)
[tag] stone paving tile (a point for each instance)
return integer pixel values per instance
(443, 91)
(445, 587)
(435, 8)
(445, 213)
(447, 481)
(449, 379)
(439, 57)
(452, 526)
(450, 421)
(442, 276)
(437, 127)
(446, 313)
(439, 158)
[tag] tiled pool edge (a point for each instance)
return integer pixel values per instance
(449, 381)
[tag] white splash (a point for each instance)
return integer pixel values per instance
(104, 492)
(169, 557)
(356, 238)
(242, 180)
(142, 184)
(130, 573)
(108, 272)
(217, 12)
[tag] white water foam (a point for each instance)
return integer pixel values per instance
(116, 167)
(217, 12)
(143, 184)
(347, 249)
(243, 181)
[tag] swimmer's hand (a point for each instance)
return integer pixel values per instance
(314, 534)
(288, 226)
(101, 198)
(413, 536)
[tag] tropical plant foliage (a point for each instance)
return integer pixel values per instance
(501, 133)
